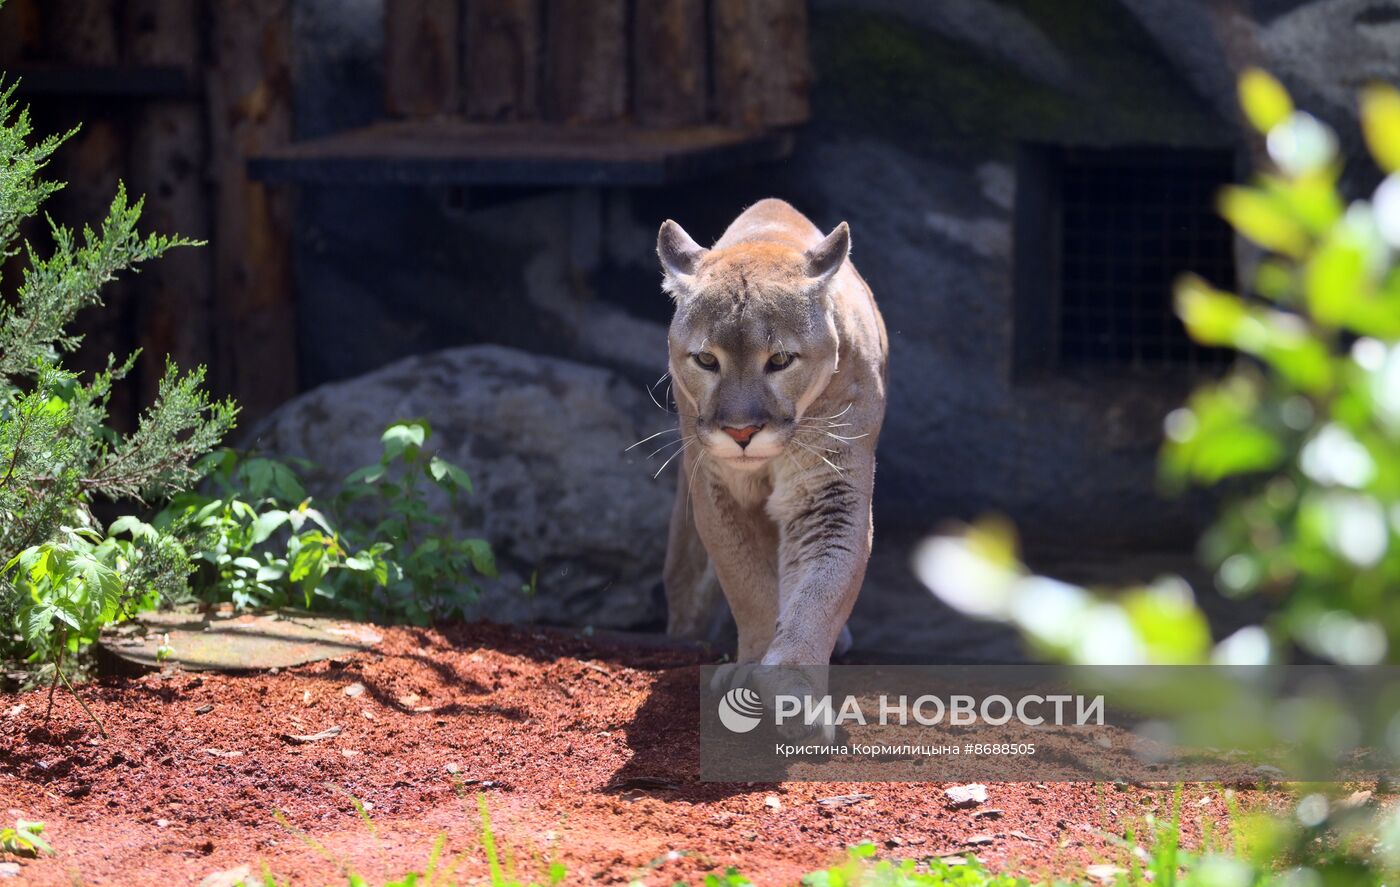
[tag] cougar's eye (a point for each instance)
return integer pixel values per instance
(781, 361)
(706, 360)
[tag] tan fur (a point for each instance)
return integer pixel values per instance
(784, 525)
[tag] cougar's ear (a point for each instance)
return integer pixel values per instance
(678, 252)
(826, 258)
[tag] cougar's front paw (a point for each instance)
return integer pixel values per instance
(796, 694)
(731, 675)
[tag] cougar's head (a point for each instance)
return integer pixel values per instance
(753, 341)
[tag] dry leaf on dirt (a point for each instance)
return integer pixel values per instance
(303, 738)
(843, 800)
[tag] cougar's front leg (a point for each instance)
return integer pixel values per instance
(694, 608)
(825, 533)
(743, 547)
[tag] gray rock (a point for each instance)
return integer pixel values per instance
(543, 440)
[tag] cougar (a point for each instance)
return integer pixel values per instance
(778, 366)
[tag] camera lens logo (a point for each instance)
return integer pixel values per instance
(740, 710)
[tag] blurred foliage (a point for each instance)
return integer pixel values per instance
(24, 839)
(258, 540)
(1304, 431)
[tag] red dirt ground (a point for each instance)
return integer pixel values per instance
(585, 751)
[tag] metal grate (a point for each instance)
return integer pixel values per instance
(1130, 222)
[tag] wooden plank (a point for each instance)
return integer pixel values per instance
(586, 61)
(762, 73)
(86, 32)
(249, 110)
(105, 81)
(162, 32)
(519, 154)
(93, 163)
(420, 57)
(501, 59)
(20, 32)
(670, 71)
(167, 165)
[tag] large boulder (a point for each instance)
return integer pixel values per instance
(545, 442)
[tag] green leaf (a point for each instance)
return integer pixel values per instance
(257, 477)
(138, 528)
(1380, 122)
(1335, 280)
(24, 839)
(1264, 100)
(308, 557)
(1168, 623)
(482, 558)
(266, 524)
(1260, 217)
(271, 572)
(317, 518)
(403, 438)
(1217, 436)
(285, 484)
(38, 621)
(1211, 317)
(367, 475)
(449, 476)
(266, 478)
(361, 562)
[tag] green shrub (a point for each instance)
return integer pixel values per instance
(63, 576)
(261, 543)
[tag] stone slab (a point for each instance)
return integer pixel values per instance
(233, 642)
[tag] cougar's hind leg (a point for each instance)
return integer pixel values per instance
(694, 600)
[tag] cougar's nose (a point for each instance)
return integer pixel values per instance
(742, 436)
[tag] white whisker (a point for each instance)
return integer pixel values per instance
(651, 393)
(671, 443)
(650, 436)
(690, 487)
(820, 456)
(672, 459)
(797, 438)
